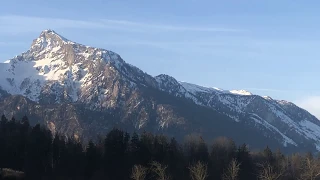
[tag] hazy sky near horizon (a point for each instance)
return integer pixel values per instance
(266, 47)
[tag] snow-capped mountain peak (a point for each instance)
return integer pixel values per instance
(51, 34)
(54, 66)
(48, 40)
(56, 69)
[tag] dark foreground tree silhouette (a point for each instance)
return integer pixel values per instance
(38, 154)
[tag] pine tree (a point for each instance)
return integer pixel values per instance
(92, 159)
(134, 150)
(268, 155)
(115, 155)
(25, 121)
(4, 119)
(247, 169)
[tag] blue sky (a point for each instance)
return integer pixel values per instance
(266, 47)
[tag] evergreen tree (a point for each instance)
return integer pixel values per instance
(4, 119)
(222, 152)
(92, 159)
(25, 121)
(176, 161)
(135, 149)
(268, 155)
(38, 161)
(116, 155)
(34, 151)
(247, 170)
(146, 146)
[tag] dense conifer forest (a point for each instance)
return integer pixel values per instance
(34, 153)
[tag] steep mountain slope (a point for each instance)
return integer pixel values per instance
(84, 91)
(290, 123)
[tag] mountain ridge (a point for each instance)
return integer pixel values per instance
(56, 73)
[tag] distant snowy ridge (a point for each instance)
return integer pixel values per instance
(281, 119)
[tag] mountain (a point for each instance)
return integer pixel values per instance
(84, 91)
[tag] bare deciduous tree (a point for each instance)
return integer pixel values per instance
(198, 171)
(310, 169)
(160, 171)
(267, 172)
(232, 172)
(293, 165)
(138, 172)
(7, 173)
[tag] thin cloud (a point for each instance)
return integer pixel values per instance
(171, 27)
(267, 90)
(11, 43)
(15, 24)
(280, 90)
(311, 104)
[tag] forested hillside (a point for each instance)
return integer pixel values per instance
(119, 155)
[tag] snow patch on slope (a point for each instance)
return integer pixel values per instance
(305, 128)
(241, 92)
(193, 88)
(264, 123)
(312, 131)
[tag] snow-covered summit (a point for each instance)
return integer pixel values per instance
(57, 67)
(48, 40)
(50, 32)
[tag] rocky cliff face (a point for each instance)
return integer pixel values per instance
(84, 91)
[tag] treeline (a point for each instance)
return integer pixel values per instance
(121, 156)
